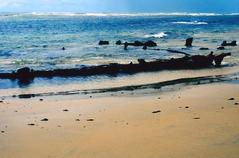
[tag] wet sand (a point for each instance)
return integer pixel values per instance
(197, 121)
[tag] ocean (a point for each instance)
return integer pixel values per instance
(35, 40)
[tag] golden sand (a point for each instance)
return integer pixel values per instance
(197, 122)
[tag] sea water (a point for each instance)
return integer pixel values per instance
(35, 40)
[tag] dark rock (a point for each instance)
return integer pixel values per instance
(196, 118)
(31, 124)
(225, 43)
(150, 44)
(189, 42)
(145, 47)
(41, 99)
(126, 45)
(90, 120)
(203, 48)
(104, 42)
(65, 110)
(186, 107)
(118, 42)
(221, 48)
(63, 48)
(1, 101)
(26, 96)
(157, 111)
(77, 119)
(45, 119)
(236, 104)
(2, 131)
(231, 99)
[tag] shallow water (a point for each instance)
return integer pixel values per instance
(36, 39)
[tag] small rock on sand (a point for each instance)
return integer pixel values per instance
(40, 99)
(45, 119)
(196, 118)
(2, 131)
(1, 101)
(90, 120)
(186, 107)
(157, 111)
(65, 110)
(77, 119)
(231, 99)
(236, 104)
(31, 124)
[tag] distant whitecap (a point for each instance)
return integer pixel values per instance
(157, 35)
(190, 23)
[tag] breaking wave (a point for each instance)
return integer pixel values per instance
(190, 23)
(157, 35)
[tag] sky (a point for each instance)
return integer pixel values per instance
(126, 6)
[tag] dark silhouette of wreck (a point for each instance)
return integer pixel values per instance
(26, 74)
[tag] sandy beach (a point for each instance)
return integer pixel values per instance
(196, 121)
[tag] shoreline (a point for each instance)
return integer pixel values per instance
(168, 84)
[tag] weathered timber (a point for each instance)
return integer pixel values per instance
(186, 62)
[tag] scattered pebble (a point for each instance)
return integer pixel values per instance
(65, 110)
(159, 98)
(31, 124)
(2, 131)
(231, 99)
(90, 120)
(45, 119)
(41, 99)
(222, 107)
(77, 119)
(158, 111)
(186, 107)
(1, 101)
(59, 126)
(196, 118)
(236, 104)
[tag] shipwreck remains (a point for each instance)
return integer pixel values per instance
(186, 62)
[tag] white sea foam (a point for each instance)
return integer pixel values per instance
(157, 35)
(190, 23)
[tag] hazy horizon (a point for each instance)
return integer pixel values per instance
(123, 6)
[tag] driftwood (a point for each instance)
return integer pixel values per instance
(186, 62)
